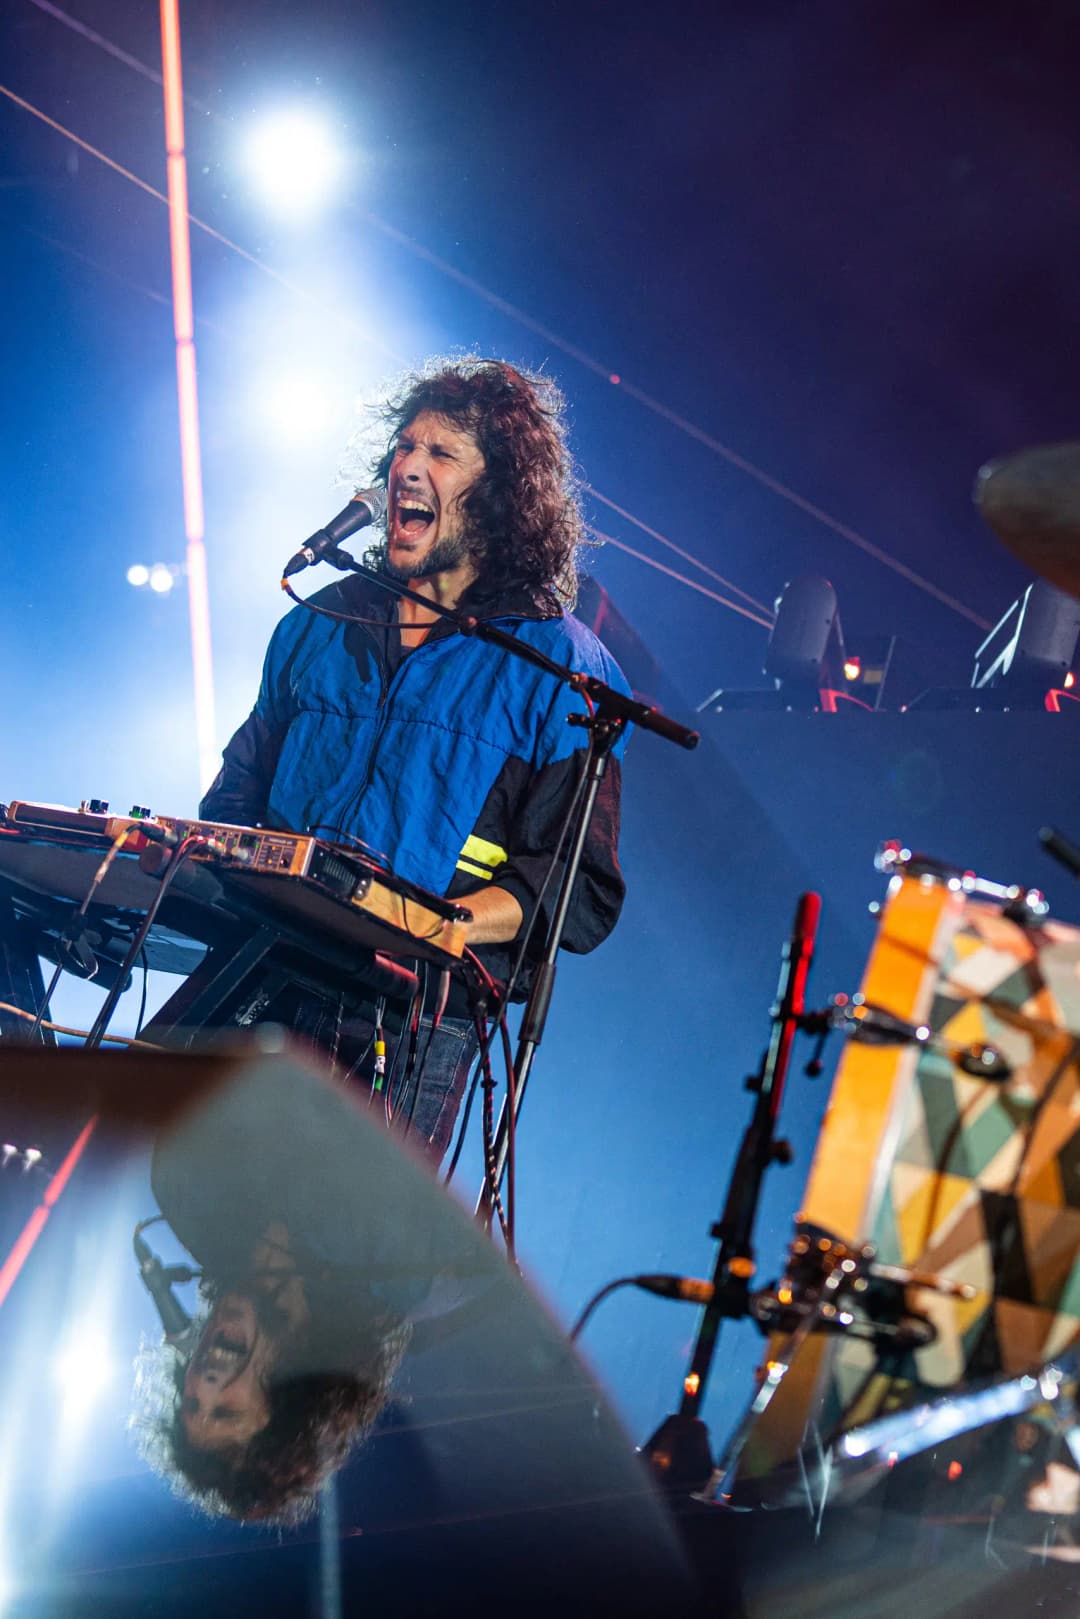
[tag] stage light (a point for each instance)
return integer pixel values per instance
(1031, 647)
(295, 164)
(138, 575)
(852, 669)
(1070, 681)
(297, 409)
(83, 1368)
(161, 578)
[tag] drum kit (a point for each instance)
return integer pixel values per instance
(923, 1340)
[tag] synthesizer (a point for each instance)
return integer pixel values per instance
(335, 891)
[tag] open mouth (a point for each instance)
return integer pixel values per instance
(225, 1352)
(412, 518)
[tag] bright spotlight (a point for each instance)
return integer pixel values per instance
(297, 409)
(161, 578)
(138, 575)
(83, 1368)
(294, 162)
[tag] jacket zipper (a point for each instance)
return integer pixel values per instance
(386, 686)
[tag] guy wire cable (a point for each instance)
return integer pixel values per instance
(648, 401)
(364, 336)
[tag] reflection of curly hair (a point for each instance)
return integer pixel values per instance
(522, 514)
(316, 1418)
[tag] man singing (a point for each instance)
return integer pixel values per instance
(449, 757)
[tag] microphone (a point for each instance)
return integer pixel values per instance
(366, 506)
(688, 1288)
(158, 1279)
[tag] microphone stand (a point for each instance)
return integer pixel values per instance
(610, 711)
(604, 730)
(679, 1452)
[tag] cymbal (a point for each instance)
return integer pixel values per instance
(1031, 501)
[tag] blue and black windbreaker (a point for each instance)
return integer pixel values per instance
(454, 760)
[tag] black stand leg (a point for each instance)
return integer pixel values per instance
(198, 1003)
(21, 980)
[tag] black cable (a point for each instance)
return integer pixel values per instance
(101, 1022)
(422, 1065)
(353, 1071)
(392, 1070)
(95, 883)
(463, 1125)
(488, 1117)
(317, 828)
(597, 1299)
(479, 1001)
(515, 973)
(142, 999)
(511, 1131)
(564, 831)
(378, 1041)
(416, 1012)
(344, 618)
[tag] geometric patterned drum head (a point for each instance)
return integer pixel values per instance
(972, 1179)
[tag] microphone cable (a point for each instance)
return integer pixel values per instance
(596, 1300)
(684, 1289)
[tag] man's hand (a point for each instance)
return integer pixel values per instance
(497, 916)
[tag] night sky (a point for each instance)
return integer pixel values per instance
(838, 240)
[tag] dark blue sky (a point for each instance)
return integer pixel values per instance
(838, 239)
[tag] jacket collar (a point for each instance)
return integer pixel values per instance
(517, 602)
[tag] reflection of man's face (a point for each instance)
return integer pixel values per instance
(224, 1401)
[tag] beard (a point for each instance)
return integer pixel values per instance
(449, 552)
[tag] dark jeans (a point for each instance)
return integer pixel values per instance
(422, 1104)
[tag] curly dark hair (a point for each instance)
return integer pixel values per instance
(316, 1419)
(523, 518)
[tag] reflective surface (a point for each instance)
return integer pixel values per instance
(367, 1403)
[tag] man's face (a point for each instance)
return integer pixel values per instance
(435, 464)
(224, 1400)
